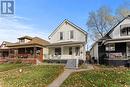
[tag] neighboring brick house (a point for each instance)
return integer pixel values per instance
(27, 49)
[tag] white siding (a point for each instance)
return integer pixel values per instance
(94, 51)
(116, 33)
(66, 28)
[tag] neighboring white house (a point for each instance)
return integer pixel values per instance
(67, 41)
(114, 47)
(94, 51)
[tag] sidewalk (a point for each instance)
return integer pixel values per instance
(57, 82)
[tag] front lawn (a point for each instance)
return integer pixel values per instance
(5, 67)
(31, 76)
(99, 78)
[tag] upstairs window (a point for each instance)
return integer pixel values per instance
(61, 35)
(72, 34)
(22, 40)
(125, 31)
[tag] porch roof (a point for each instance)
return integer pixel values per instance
(120, 40)
(25, 46)
(65, 43)
(36, 41)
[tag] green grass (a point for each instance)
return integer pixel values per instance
(99, 78)
(31, 76)
(5, 67)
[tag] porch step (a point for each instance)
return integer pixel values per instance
(71, 63)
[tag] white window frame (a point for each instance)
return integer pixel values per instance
(110, 47)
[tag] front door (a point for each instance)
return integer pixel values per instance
(77, 51)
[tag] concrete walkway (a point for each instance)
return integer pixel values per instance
(57, 82)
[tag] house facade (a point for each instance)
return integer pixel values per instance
(114, 47)
(27, 49)
(67, 42)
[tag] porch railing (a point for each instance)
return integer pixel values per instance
(117, 56)
(58, 57)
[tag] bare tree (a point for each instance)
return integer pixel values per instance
(122, 12)
(100, 22)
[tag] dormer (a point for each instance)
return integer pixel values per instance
(24, 39)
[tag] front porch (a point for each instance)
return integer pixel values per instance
(71, 54)
(24, 54)
(117, 54)
(66, 52)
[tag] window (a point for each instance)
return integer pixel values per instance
(70, 50)
(125, 31)
(72, 34)
(57, 51)
(128, 31)
(61, 35)
(110, 47)
(22, 40)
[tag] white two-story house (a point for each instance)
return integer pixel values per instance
(114, 48)
(67, 41)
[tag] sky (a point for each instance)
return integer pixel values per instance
(41, 17)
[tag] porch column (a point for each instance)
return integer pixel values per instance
(25, 50)
(34, 52)
(62, 50)
(9, 53)
(81, 51)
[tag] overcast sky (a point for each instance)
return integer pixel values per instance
(41, 17)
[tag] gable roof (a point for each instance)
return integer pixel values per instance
(117, 25)
(6, 43)
(72, 24)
